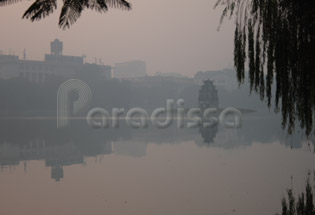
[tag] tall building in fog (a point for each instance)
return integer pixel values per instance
(55, 64)
(131, 69)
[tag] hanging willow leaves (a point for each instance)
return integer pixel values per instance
(279, 36)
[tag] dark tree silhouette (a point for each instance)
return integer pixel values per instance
(302, 205)
(71, 9)
(277, 39)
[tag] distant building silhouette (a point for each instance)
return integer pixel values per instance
(55, 64)
(170, 74)
(56, 47)
(132, 69)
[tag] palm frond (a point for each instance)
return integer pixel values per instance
(71, 9)
(102, 5)
(39, 9)
(7, 2)
(70, 12)
(98, 5)
(121, 4)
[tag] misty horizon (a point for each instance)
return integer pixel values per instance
(161, 33)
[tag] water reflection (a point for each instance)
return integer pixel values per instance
(171, 171)
(27, 140)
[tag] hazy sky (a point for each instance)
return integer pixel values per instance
(170, 35)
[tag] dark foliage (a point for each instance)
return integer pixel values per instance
(71, 9)
(277, 38)
(303, 205)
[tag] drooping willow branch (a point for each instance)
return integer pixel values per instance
(275, 40)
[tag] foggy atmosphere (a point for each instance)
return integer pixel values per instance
(157, 107)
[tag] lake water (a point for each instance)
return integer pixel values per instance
(81, 170)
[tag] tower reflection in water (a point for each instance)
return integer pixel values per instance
(208, 98)
(24, 140)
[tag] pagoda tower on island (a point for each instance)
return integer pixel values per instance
(208, 96)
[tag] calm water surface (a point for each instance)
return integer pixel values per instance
(150, 171)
